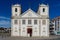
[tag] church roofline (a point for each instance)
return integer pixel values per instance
(29, 10)
(43, 5)
(16, 5)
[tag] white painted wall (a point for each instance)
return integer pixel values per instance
(46, 33)
(18, 10)
(34, 28)
(46, 10)
(22, 29)
(15, 27)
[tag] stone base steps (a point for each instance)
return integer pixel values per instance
(32, 38)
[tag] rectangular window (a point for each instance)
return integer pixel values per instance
(15, 14)
(58, 24)
(29, 21)
(44, 22)
(15, 9)
(15, 21)
(15, 29)
(55, 25)
(35, 21)
(23, 21)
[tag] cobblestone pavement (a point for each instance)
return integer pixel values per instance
(30, 38)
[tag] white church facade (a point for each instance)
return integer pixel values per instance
(30, 23)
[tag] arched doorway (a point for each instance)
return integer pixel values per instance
(29, 31)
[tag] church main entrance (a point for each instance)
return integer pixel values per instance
(29, 31)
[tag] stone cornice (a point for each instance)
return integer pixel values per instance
(29, 18)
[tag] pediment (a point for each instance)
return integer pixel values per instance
(29, 13)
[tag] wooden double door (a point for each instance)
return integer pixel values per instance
(29, 31)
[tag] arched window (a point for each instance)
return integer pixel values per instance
(43, 9)
(15, 9)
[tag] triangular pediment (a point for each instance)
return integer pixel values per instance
(29, 13)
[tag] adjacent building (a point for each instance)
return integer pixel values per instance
(56, 23)
(51, 28)
(30, 23)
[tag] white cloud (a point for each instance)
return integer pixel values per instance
(4, 17)
(5, 23)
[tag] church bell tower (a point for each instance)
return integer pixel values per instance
(43, 10)
(44, 15)
(16, 10)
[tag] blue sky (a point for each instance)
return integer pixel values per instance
(5, 8)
